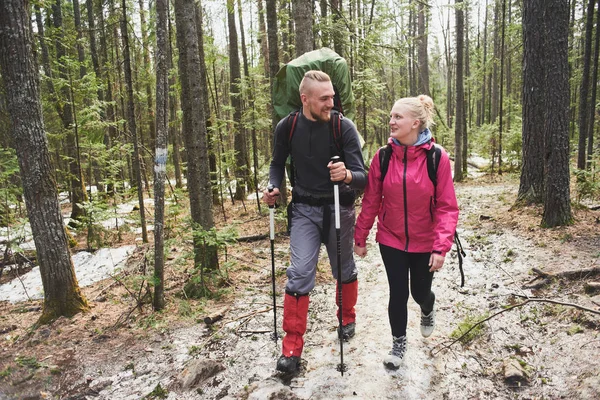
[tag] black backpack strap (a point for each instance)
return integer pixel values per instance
(434, 154)
(461, 254)
(336, 131)
(292, 118)
(385, 153)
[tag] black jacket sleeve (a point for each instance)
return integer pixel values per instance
(353, 155)
(280, 154)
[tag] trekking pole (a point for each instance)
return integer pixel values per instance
(336, 199)
(272, 236)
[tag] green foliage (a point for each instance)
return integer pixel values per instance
(574, 329)
(10, 187)
(467, 323)
(6, 372)
(587, 184)
(95, 211)
(29, 362)
(158, 393)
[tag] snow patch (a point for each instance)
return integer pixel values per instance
(89, 268)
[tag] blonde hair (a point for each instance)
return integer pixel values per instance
(313, 75)
(420, 107)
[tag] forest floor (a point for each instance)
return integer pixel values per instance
(222, 347)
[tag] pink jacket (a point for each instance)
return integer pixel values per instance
(408, 220)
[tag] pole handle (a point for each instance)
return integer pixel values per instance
(336, 195)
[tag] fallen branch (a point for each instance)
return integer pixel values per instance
(215, 316)
(433, 351)
(572, 274)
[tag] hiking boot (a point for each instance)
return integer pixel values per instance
(288, 365)
(394, 359)
(427, 323)
(348, 331)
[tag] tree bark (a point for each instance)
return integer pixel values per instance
(584, 88)
(303, 19)
(62, 296)
(422, 54)
(531, 188)
(160, 157)
(338, 27)
(146, 75)
(592, 107)
(131, 124)
(460, 92)
(78, 193)
(194, 125)
(273, 69)
(241, 171)
(557, 204)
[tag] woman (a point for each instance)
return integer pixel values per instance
(416, 221)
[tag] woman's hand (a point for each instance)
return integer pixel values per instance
(436, 262)
(360, 251)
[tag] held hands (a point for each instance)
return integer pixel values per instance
(338, 172)
(270, 197)
(360, 251)
(436, 262)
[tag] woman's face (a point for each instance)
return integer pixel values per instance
(403, 126)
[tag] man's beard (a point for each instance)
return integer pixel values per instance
(318, 117)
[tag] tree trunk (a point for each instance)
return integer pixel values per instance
(484, 72)
(303, 19)
(468, 113)
(592, 117)
(262, 37)
(80, 51)
(62, 296)
(324, 24)
(531, 188)
(137, 170)
(501, 88)
(557, 204)
(78, 193)
(422, 48)
(338, 27)
(160, 158)
(584, 88)
(146, 76)
(193, 96)
(241, 172)
(273, 69)
(460, 92)
(174, 126)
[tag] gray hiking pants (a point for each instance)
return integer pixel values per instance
(305, 245)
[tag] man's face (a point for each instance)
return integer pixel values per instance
(317, 101)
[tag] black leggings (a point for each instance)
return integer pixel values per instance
(397, 265)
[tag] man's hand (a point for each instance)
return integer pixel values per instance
(360, 251)
(338, 172)
(270, 197)
(436, 262)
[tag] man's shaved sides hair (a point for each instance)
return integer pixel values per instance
(313, 75)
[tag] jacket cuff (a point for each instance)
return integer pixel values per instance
(441, 253)
(360, 242)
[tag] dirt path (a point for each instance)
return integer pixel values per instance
(557, 347)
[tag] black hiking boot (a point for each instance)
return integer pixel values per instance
(395, 357)
(347, 332)
(288, 365)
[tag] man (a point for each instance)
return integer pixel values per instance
(312, 212)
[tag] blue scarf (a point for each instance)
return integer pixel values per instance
(424, 137)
